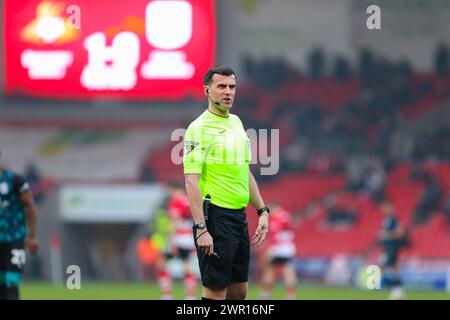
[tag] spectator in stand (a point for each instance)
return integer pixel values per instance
(418, 172)
(293, 157)
(429, 201)
(367, 68)
(316, 61)
(446, 209)
(341, 68)
(338, 211)
(441, 61)
(375, 182)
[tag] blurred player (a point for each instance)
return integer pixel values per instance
(17, 230)
(391, 238)
(280, 252)
(180, 243)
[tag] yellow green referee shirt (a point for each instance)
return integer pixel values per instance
(218, 149)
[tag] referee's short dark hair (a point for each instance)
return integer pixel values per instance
(222, 70)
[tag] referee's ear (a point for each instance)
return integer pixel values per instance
(206, 91)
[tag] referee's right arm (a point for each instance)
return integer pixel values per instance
(195, 198)
(205, 240)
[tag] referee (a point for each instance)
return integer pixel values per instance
(219, 186)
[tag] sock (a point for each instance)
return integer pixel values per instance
(291, 293)
(397, 293)
(387, 278)
(165, 284)
(2, 292)
(266, 290)
(264, 294)
(2, 286)
(11, 282)
(396, 281)
(12, 293)
(190, 286)
(391, 279)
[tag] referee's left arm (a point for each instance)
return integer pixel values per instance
(258, 203)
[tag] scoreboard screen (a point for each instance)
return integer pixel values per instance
(91, 49)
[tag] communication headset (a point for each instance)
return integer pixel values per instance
(217, 104)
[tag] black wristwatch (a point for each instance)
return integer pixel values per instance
(260, 211)
(200, 225)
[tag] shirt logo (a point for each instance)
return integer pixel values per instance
(189, 146)
(222, 131)
(4, 188)
(25, 187)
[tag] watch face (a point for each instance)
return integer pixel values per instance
(201, 225)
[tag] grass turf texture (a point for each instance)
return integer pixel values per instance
(129, 291)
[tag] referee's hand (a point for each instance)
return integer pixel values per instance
(205, 241)
(262, 230)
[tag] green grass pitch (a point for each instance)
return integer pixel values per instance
(130, 291)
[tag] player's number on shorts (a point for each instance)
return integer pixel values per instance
(18, 257)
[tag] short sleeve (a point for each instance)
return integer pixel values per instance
(247, 140)
(19, 184)
(193, 152)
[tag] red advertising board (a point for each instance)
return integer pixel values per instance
(90, 49)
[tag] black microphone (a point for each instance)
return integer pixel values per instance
(217, 104)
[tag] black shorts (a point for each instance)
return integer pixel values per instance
(181, 253)
(277, 261)
(229, 230)
(390, 257)
(12, 262)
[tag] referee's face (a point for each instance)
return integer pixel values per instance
(222, 90)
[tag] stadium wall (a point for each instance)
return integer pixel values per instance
(290, 28)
